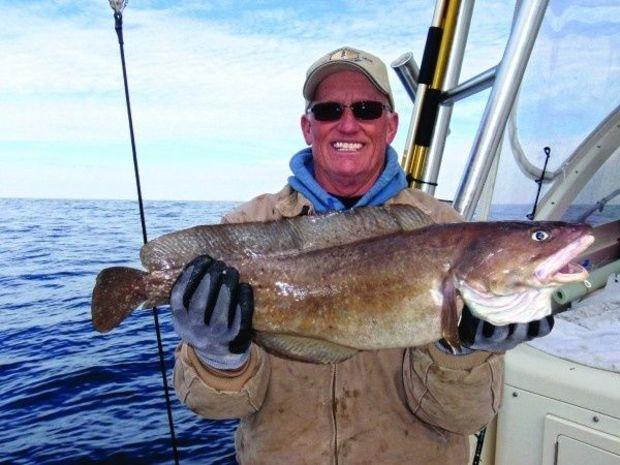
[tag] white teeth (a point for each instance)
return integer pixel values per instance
(347, 146)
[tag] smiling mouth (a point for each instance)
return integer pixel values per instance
(341, 146)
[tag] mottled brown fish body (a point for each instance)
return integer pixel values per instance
(371, 294)
(391, 291)
(288, 235)
(259, 249)
(368, 295)
(398, 284)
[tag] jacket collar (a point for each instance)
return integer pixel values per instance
(294, 204)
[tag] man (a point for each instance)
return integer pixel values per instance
(414, 406)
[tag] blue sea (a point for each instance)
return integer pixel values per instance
(70, 395)
(73, 396)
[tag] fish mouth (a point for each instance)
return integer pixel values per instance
(558, 267)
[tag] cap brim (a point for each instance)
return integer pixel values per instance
(321, 72)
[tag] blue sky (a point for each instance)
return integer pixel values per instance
(216, 88)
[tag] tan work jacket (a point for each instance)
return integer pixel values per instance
(399, 406)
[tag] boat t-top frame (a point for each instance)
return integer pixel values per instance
(434, 89)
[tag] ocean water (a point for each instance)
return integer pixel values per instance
(70, 395)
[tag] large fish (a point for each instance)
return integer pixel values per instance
(330, 285)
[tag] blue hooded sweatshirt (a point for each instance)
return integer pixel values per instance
(391, 181)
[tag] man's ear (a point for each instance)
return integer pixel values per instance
(306, 129)
(392, 127)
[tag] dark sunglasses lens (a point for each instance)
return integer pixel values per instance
(367, 110)
(327, 111)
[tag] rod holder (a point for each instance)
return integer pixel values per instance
(408, 72)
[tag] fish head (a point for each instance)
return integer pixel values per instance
(508, 270)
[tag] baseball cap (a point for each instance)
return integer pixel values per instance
(347, 58)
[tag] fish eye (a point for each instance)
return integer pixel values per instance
(540, 235)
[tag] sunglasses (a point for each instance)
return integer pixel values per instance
(332, 111)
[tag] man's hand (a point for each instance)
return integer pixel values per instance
(482, 335)
(212, 312)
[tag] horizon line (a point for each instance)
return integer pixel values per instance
(116, 199)
(179, 200)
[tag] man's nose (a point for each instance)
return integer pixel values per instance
(348, 122)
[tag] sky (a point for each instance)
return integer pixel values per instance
(216, 89)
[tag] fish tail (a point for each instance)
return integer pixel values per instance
(118, 291)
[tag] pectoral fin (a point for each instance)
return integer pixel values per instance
(450, 314)
(304, 348)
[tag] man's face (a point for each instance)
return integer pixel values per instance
(348, 154)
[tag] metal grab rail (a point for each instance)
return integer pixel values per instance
(577, 170)
(472, 86)
(437, 82)
(510, 72)
(526, 167)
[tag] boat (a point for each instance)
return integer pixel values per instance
(561, 396)
(558, 407)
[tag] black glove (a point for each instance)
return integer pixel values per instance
(478, 334)
(212, 312)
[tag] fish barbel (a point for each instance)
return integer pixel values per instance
(327, 286)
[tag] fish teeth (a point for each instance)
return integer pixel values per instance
(347, 146)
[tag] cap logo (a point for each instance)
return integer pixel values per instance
(348, 55)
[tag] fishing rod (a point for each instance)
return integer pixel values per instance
(118, 6)
(428, 91)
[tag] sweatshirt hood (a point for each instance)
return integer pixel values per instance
(391, 181)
